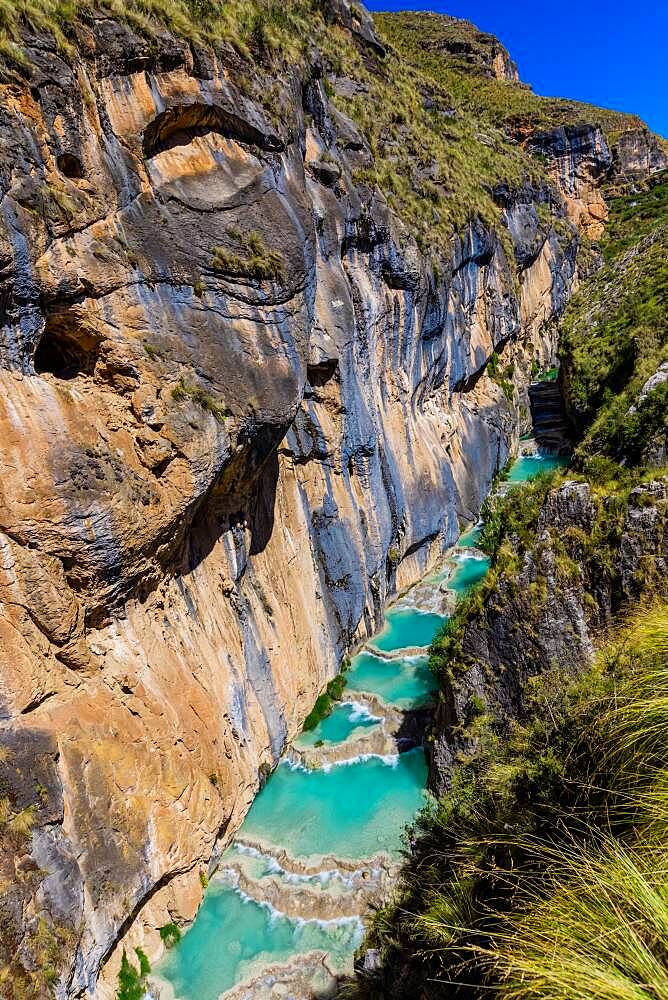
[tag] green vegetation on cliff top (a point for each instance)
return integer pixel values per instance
(247, 24)
(437, 167)
(615, 334)
(458, 56)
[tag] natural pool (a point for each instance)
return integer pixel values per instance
(529, 466)
(404, 682)
(405, 628)
(354, 810)
(346, 718)
(234, 934)
(471, 536)
(471, 570)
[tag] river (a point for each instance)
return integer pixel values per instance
(322, 841)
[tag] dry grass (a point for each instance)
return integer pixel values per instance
(249, 25)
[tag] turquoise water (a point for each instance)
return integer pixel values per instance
(405, 627)
(471, 537)
(351, 810)
(529, 466)
(345, 719)
(354, 810)
(233, 932)
(403, 682)
(469, 572)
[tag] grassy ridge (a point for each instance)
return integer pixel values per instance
(596, 924)
(247, 24)
(427, 41)
(437, 167)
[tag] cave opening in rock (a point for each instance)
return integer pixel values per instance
(320, 373)
(65, 350)
(70, 165)
(178, 126)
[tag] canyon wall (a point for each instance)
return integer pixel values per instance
(240, 410)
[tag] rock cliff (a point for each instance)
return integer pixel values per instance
(242, 406)
(591, 555)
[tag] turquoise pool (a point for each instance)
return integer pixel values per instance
(345, 719)
(405, 628)
(403, 682)
(470, 571)
(529, 466)
(352, 810)
(470, 537)
(234, 934)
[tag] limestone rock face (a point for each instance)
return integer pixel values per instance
(579, 158)
(231, 384)
(638, 154)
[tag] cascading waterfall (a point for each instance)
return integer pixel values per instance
(322, 841)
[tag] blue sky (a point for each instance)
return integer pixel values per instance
(614, 54)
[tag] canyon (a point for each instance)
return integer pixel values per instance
(243, 408)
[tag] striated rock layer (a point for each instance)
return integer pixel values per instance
(240, 410)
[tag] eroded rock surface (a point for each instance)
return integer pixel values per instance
(579, 159)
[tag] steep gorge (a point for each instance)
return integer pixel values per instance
(244, 404)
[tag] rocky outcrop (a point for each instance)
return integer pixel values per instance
(473, 50)
(637, 154)
(570, 583)
(579, 159)
(240, 410)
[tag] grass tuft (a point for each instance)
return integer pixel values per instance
(204, 399)
(254, 261)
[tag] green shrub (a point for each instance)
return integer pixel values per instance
(493, 365)
(325, 701)
(208, 402)
(132, 982)
(170, 935)
(514, 514)
(144, 964)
